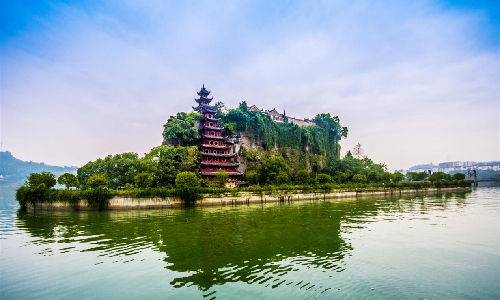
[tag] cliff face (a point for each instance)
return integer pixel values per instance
(244, 143)
(251, 153)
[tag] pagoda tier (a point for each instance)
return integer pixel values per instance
(213, 137)
(213, 128)
(231, 155)
(215, 148)
(211, 164)
(238, 174)
(213, 119)
(203, 100)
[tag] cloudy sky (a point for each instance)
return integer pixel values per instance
(414, 81)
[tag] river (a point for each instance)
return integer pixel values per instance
(433, 246)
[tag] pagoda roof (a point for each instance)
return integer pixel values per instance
(212, 119)
(203, 91)
(220, 138)
(203, 99)
(207, 106)
(213, 128)
(218, 155)
(214, 173)
(219, 164)
(214, 146)
(202, 108)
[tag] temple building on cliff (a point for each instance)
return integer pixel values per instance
(216, 150)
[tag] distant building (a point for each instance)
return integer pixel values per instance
(457, 166)
(278, 117)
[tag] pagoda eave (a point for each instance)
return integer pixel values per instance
(213, 119)
(215, 147)
(218, 155)
(213, 128)
(220, 164)
(210, 137)
(215, 173)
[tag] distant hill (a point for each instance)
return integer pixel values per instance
(13, 169)
(423, 166)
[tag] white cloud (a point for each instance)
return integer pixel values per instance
(412, 82)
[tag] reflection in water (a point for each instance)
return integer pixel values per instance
(209, 247)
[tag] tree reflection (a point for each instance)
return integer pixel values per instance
(214, 246)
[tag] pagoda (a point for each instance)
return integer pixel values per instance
(216, 152)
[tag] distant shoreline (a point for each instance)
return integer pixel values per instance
(121, 202)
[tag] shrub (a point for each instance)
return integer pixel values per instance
(187, 186)
(143, 180)
(98, 197)
(303, 177)
(358, 178)
(324, 178)
(97, 180)
(221, 178)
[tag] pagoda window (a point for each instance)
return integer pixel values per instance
(224, 160)
(206, 151)
(216, 159)
(212, 133)
(209, 159)
(211, 124)
(211, 142)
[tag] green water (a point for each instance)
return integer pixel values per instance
(440, 246)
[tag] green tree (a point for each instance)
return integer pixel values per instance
(46, 178)
(97, 181)
(341, 177)
(358, 178)
(282, 177)
(119, 169)
(221, 177)
(416, 176)
(69, 180)
(143, 180)
(303, 176)
(271, 168)
(252, 177)
(187, 186)
(372, 176)
(398, 176)
(386, 177)
(166, 162)
(440, 177)
(181, 130)
(324, 178)
(458, 176)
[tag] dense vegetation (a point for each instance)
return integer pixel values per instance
(321, 139)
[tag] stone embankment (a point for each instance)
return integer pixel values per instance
(123, 202)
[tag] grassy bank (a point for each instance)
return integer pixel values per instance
(99, 197)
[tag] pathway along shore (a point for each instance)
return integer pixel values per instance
(121, 202)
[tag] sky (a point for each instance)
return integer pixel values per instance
(414, 81)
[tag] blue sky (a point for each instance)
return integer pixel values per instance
(414, 81)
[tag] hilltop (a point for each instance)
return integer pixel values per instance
(14, 169)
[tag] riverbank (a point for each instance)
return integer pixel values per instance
(123, 202)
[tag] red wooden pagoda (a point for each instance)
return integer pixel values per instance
(216, 153)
